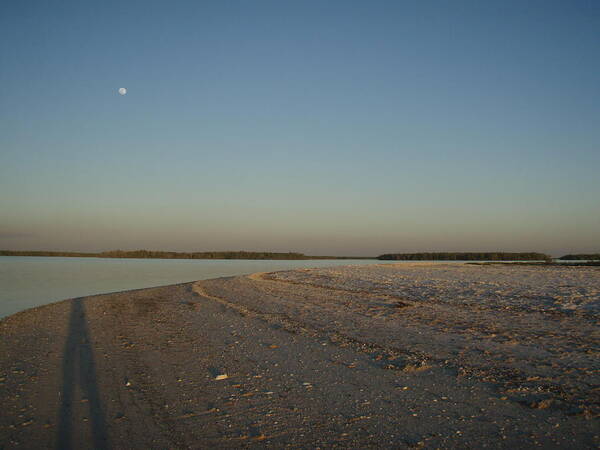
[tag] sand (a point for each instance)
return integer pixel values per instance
(402, 356)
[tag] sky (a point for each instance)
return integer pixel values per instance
(327, 128)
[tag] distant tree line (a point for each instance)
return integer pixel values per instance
(424, 256)
(149, 254)
(579, 256)
(46, 253)
(200, 255)
(466, 256)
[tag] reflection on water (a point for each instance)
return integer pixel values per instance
(28, 281)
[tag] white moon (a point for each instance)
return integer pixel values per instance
(122, 91)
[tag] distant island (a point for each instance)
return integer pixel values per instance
(580, 256)
(466, 256)
(150, 254)
(422, 256)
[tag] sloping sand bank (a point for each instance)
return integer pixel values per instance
(442, 355)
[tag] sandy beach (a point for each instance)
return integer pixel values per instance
(393, 356)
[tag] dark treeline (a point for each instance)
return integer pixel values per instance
(46, 253)
(466, 256)
(175, 255)
(199, 255)
(579, 256)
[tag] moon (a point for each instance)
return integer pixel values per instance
(122, 91)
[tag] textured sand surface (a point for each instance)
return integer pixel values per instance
(405, 356)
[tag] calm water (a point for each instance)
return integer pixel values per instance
(30, 281)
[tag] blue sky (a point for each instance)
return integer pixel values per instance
(334, 127)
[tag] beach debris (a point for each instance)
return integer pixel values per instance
(356, 419)
(223, 376)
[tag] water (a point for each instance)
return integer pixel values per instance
(29, 281)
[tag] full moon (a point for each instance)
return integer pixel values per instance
(122, 91)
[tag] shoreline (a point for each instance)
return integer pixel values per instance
(354, 356)
(29, 282)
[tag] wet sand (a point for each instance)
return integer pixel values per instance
(402, 356)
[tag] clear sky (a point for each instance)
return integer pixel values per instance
(325, 127)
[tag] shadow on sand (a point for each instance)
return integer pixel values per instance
(79, 369)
